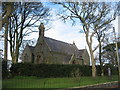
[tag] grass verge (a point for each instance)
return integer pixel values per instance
(35, 82)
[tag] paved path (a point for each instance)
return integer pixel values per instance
(106, 86)
(103, 86)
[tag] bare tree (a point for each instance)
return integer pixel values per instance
(7, 9)
(118, 8)
(109, 51)
(26, 14)
(93, 16)
(100, 35)
(109, 54)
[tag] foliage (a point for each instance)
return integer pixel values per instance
(57, 70)
(35, 82)
(50, 70)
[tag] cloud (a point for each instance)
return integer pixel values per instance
(67, 33)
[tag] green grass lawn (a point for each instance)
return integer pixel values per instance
(35, 82)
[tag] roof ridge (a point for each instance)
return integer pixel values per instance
(82, 49)
(59, 41)
(61, 46)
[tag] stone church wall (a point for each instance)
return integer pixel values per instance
(27, 55)
(60, 58)
(42, 53)
(86, 58)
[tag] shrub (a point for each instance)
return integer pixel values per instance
(56, 70)
(50, 70)
(114, 70)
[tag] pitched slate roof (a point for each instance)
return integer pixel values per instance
(60, 46)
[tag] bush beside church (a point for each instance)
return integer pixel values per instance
(55, 70)
(50, 70)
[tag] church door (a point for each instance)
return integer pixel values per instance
(26, 57)
(38, 59)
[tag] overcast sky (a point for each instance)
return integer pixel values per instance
(64, 32)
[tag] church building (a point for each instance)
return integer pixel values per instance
(51, 51)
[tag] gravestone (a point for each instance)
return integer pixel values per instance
(109, 72)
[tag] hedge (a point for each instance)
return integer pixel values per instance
(55, 70)
(50, 70)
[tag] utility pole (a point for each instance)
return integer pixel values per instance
(118, 28)
(118, 61)
(1, 68)
(119, 21)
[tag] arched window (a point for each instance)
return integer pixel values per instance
(38, 59)
(73, 62)
(26, 57)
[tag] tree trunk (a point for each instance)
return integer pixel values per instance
(91, 55)
(13, 59)
(17, 52)
(93, 63)
(5, 42)
(101, 65)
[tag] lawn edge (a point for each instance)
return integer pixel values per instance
(95, 84)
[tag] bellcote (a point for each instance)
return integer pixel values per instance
(73, 43)
(41, 30)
